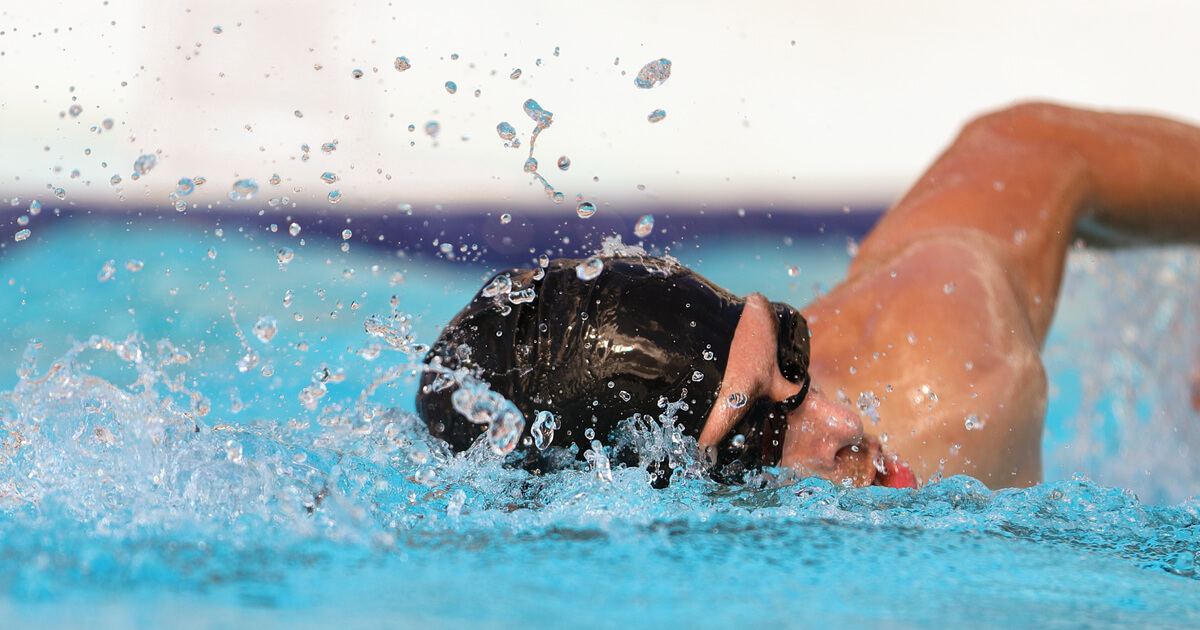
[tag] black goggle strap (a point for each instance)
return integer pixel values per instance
(776, 424)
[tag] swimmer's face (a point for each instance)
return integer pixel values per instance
(826, 438)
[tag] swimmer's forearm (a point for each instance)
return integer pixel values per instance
(1142, 173)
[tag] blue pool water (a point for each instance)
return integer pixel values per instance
(185, 483)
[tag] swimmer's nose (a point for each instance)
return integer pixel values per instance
(834, 426)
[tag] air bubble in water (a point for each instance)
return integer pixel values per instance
(506, 131)
(564, 163)
(451, 87)
(653, 73)
(21, 235)
(402, 64)
(185, 186)
(586, 210)
(644, 227)
(243, 189)
(284, 256)
(657, 115)
(143, 164)
(736, 400)
(265, 328)
(589, 269)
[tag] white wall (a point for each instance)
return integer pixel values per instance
(768, 102)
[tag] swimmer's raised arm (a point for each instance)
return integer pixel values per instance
(1025, 181)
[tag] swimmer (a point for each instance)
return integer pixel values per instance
(925, 361)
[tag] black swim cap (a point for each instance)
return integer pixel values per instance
(595, 352)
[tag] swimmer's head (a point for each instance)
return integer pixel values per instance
(644, 333)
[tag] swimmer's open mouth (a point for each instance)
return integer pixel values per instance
(870, 465)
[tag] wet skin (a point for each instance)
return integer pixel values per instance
(946, 307)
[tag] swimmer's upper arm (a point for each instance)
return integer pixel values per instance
(1022, 179)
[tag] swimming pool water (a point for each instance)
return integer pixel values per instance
(121, 505)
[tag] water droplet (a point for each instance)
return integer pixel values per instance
(185, 186)
(589, 433)
(446, 248)
(284, 256)
(35, 207)
(516, 74)
(180, 205)
(948, 288)
(107, 124)
(335, 196)
(60, 193)
(143, 164)
(736, 400)
(115, 179)
(498, 285)
(653, 73)
(590, 269)
(531, 165)
(274, 179)
(243, 189)
(329, 147)
(23, 220)
(697, 376)
(134, 265)
(540, 116)
(217, 30)
(564, 163)
(107, 270)
(972, 422)
(21, 235)
(477, 93)
(247, 362)
(212, 253)
(558, 197)
(75, 110)
(451, 87)
(505, 218)
(543, 429)
(644, 227)
(506, 131)
(298, 114)
(708, 355)
(657, 115)
(294, 229)
(402, 64)
(586, 210)
(912, 339)
(793, 271)
(288, 296)
(265, 328)
(356, 73)
(432, 128)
